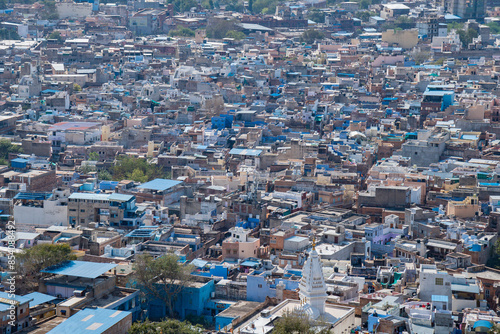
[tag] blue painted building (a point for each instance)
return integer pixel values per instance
(222, 122)
(207, 269)
(193, 300)
(259, 286)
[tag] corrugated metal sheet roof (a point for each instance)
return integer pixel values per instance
(80, 269)
(95, 321)
(159, 184)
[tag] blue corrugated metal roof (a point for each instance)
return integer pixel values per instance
(438, 92)
(4, 306)
(120, 197)
(159, 184)
(89, 196)
(33, 196)
(39, 298)
(244, 151)
(20, 160)
(89, 320)
(80, 269)
(250, 263)
(465, 288)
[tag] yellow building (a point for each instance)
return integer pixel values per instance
(405, 39)
(464, 209)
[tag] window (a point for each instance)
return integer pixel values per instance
(439, 281)
(487, 293)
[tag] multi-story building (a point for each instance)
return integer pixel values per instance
(117, 210)
(240, 245)
(466, 9)
(41, 209)
(20, 305)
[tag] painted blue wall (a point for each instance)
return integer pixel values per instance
(191, 301)
(258, 288)
(373, 321)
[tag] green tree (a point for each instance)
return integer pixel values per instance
(494, 259)
(466, 37)
(234, 5)
(439, 61)
(56, 35)
(365, 15)
(218, 28)
(32, 261)
(455, 26)
(77, 88)
(316, 15)
(420, 57)
(169, 326)
(7, 147)
(163, 278)
(94, 156)
(495, 329)
(311, 35)
(182, 6)
(403, 19)
(494, 27)
(181, 32)
(261, 6)
(364, 4)
(125, 166)
(9, 34)
(237, 35)
(299, 323)
(86, 168)
(49, 10)
(138, 176)
(104, 175)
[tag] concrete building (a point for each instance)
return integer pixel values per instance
(147, 21)
(427, 149)
(41, 209)
(240, 245)
(406, 39)
(393, 10)
(17, 305)
(76, 133)
(73, 9)
(385, 196)
(115, 210)
(311, 304)
(468, 208)
(474, 9)
(160, 191)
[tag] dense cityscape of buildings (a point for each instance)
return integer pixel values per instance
(336, 162)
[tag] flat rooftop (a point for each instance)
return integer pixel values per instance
(240, 309)
(82, 269)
